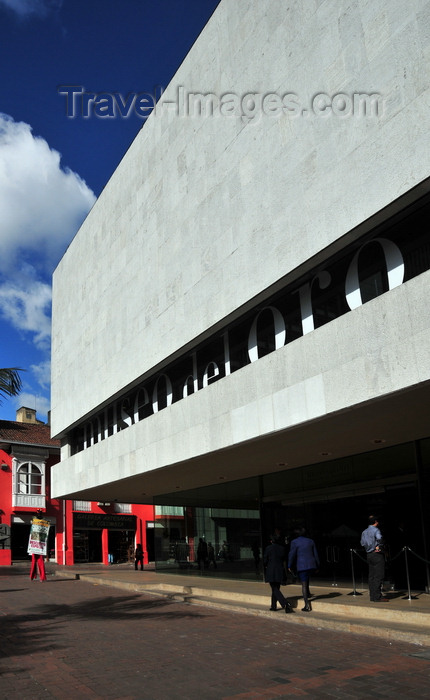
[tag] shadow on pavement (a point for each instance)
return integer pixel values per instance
(327, 596)
(37, 627)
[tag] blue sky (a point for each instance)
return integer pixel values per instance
(54, 162)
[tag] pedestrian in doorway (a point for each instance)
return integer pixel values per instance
(256, 554)
(211, 555)
(275, 572)
(138, 557)
(130, 553)
(304, 556)
(202, 554)
(372, 541)
(224, 552)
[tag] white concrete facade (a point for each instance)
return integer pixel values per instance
(206, 213)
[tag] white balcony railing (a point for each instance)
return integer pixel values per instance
(27, 500)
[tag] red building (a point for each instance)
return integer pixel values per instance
(81, 531)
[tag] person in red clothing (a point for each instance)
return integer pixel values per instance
(37, 563)
(38, 560)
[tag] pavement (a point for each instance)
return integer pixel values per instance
(339, 609)
(335, 608)
(119, 634)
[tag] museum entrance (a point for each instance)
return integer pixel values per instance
(331, 499)
(336, 526)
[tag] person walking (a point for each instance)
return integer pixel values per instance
(37, 564)
(211, 555)
(202, 554)
(40, 534)
(138, 557)
(371, 540)
(303, 554)
(275, 572)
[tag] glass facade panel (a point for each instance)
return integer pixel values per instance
(219, 541)
(332, 500)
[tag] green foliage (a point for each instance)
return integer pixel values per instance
(10, 382)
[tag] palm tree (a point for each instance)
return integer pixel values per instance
(10, 382)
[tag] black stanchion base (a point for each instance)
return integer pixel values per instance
(412, 597)
(354, 593)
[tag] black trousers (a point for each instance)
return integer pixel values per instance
(376, 561)
(277, 595)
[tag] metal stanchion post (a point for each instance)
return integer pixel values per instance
(409, 597)
(335, 561)
(332, 559)
(354, 592)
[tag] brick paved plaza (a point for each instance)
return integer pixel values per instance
(72, 639)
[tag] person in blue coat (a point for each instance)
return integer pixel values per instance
(303, 554)
(275, 572)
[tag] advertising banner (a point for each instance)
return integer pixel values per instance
(37, 543)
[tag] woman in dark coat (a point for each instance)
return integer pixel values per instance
(275, 573)
(303, 553)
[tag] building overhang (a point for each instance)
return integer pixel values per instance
(375, 425)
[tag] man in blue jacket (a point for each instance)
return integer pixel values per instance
(303, 553)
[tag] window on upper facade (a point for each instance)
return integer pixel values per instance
(29, 479)
(82, 505)
(122, 507)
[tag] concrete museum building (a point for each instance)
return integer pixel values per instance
(241, 327)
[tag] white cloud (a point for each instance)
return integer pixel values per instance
(29, 400)
(35, 394)
(41, 207)
(25, 8)
(26, 304)
(41, 204)
(32, 396)
(42, 373)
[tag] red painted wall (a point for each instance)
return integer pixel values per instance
(63, 513)
(5, 490)
(53, 506)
